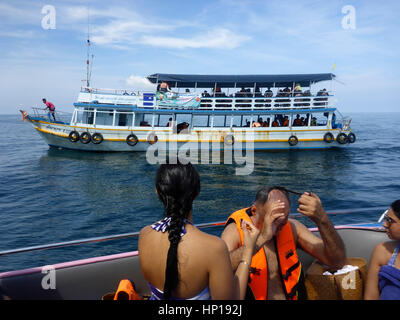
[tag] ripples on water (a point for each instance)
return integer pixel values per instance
(49, 195)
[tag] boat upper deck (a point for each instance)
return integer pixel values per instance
(266, 92)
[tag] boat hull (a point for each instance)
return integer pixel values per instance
(114, 139)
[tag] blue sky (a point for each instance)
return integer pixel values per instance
(132, 39)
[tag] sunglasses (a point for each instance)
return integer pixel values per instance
(386, 218)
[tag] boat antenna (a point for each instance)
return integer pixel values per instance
(88, 62)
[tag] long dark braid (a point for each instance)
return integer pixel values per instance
(177, 186)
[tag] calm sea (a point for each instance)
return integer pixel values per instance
(49, 195)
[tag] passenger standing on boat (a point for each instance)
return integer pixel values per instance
(276, 270)
(51, 108)
(164, 87)
(383, 279)
(178, 260)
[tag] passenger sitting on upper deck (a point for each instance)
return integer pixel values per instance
(218, 93)
(275, 123)
(206, 94)
(323, 92)
(268, 93)
(164, 87)
(297, 90)
(247, 124)
(297, 122)
(257, 92)
(187, 91)
(280, 93)
(286, 92)
(307, 93)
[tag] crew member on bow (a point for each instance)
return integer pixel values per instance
(276, 271)
(50, 107)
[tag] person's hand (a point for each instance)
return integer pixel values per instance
(310, 206)
(274, 217)
(250, 235)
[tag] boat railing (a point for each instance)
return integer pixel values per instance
(254, 103)
(109, 91)
(44, 114)
(149, 100)
(200, 226)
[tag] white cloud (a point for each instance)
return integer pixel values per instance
(139, 83)
(220, 38)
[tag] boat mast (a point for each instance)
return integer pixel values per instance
(88, 64)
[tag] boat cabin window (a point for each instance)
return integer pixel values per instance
(319, 119)
(123, 118)
(201, 121)
(300, 120)
(219, 121)
(104, 117)
(163, 120)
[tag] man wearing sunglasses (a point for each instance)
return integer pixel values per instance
(383, 279)
(275, 271)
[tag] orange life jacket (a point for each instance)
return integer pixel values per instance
(289, 263)
(126, 291)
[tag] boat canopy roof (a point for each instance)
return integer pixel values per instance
(232, 81)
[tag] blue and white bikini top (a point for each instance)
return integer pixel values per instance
(157, 294)
(163, 225)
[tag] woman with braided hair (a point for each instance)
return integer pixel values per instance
(177, 259)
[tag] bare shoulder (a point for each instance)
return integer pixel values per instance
(212, 242)
(145, 231)
(298, 229)
(383, 251)
(231, 236)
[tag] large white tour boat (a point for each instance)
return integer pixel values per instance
(261, 112)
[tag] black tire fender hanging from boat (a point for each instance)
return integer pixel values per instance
(152, 138)
(229, 139)
(293, 140)
(328, 137)
(341, 138)
(132, 140)
(73, 136)
(97, 138)
(85, 137)
(351, 137)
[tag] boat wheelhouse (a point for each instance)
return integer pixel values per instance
(263, 112)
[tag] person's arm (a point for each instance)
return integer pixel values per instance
(375, 263)
(223, 283)
(271, 222)
(329, 249)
